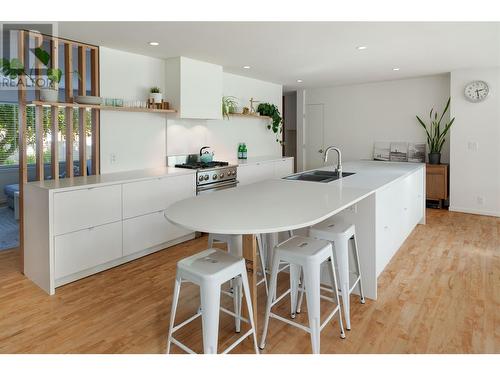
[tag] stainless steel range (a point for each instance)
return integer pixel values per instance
(210, 176)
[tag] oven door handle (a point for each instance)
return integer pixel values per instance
(213, 186)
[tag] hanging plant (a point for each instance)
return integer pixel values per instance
(271, 110)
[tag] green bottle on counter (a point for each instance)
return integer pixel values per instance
(244, 151)
(240, 150)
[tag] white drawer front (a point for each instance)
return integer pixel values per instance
(283, 168)
(80, 209)
(143, 232)
(144, 197)
(78, 251)
(248, 174)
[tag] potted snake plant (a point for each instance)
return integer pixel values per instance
(436, 134)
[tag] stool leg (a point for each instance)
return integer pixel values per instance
(341, 249)
(301, 298)
(356, 253)
(333, 280)
(175, 300)
(210, 240)
(261, 254)
(294, 287)
(210, 303)
(290, 233)
(237, 299)
(248, 301)
(312, 280)
(270, 298)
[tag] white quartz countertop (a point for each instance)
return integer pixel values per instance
(111, 178)
(278, 205)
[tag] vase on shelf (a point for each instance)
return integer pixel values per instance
(49, 95)
(157, 97)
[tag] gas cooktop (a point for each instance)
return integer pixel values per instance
(200, 165)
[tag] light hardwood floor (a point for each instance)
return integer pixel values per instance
(439, 294)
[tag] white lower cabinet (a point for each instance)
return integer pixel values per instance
(251, 173)
(87, 248)
(147, 231)
(399, 210)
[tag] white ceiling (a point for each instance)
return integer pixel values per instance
(319, 53)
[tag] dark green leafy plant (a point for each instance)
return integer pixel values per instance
(155, 90)
(271, 110)
(436, 137)
(53, 75)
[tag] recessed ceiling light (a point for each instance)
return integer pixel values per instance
(299, 81)
(154, 43)
(246, 67)
(395, 69)
(360, 48)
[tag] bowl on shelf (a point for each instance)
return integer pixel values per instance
(93, 100)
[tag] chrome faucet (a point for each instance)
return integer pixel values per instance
(339, 159)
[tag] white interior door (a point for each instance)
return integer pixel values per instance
(314, 135)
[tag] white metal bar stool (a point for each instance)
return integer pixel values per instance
(340, 233)
(306, 254)
(210, 269)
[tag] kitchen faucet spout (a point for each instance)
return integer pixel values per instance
(338, 169)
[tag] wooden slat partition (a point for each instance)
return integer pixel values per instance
(40, 170)
(23, 56)
(54, 129)
(68, 111)
(94, 79)
(23, 168)
(82, 69)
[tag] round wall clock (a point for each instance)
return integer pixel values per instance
(476, 91)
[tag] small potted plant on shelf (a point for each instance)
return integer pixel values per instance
(436, 135)
(229, 105)
(155, 94)
(50, 92)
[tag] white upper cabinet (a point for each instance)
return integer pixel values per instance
(194, 88)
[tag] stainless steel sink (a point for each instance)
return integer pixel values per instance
(317, 176)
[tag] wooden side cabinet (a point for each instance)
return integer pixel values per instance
(437, 182)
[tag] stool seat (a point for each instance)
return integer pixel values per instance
(298, 248)
(332, 228)
(209, 264)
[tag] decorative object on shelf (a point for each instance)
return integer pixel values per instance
(436, 136)
(245, 111)
(94, 100)
(476, 91)
(252, 101)
(229, 105)
(155, 95)
(271, 110)
(399, 151)
(157, 105)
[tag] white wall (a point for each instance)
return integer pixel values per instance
(357, 115)
(136, 139)
(475, 145)
(187, 136)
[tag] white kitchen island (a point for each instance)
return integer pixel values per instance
(385, 200)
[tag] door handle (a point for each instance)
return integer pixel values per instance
(320, 150)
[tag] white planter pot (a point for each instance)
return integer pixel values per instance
(49, 95)
(157, 97)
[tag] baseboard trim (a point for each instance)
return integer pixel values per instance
(473, 211)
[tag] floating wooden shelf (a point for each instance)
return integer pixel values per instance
(101, 107)
(250, 115)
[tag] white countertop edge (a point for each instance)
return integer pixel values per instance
(257, 159)
(116, 178)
